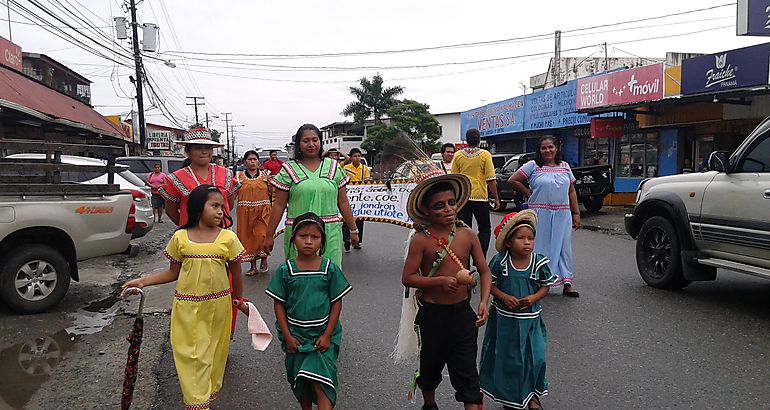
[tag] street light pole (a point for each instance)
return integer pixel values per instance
(227, 132)
(138, 66)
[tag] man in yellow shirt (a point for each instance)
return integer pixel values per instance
(476, 164)
(357, 172)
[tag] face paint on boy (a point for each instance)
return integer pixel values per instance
(443, 208)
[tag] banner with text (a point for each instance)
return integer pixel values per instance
(553, 108)
(629, 86)
(376, 202)
(492, 119)
(728, 70)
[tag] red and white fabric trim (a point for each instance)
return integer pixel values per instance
(325, 219)
(169, 257)
(332, 170)
(201, 298)
(522, 173)
(279, 185)
(254, 203)
(289, 170)
(343, 182)
(549, 207)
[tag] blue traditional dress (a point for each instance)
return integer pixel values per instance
(307, 297)
(550, 200)
(513, 352)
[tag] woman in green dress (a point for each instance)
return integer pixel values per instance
(310, 183)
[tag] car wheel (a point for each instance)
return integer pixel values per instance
(593, 203)
(657, 255)
(33, 279)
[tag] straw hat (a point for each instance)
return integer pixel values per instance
(511, 221)
(460, 184)
(200, 136)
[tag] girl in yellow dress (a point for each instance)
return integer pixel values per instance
(201, 253)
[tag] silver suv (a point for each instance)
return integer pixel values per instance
(687, 226)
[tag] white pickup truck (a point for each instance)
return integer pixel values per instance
(46, 226)
(687, 226)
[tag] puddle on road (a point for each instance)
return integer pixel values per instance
(25, 366)
(94, 317)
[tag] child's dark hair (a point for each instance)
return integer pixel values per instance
(196, 201)
(309, 218)
(298, 138)
(439, 187)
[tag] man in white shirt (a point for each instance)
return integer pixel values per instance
(447, 154)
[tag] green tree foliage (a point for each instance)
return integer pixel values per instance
(372, 100)
(415, 120)
(377, 136)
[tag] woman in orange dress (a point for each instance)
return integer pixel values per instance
(253, 211)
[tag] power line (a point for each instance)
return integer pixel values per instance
(450, 46)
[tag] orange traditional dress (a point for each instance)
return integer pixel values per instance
(201, 314)
(253, 212)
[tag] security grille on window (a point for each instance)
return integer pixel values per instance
(637, 155)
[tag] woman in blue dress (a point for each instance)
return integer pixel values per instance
(552, 196)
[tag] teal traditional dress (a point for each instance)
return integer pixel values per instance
(313, 192)
(307, 297)
(513, 352)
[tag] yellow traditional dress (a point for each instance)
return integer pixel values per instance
(253, 212)
(201, 314)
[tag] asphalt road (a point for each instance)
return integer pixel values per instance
(620, 345)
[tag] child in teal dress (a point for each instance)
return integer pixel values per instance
(513, 353)
(307, 292)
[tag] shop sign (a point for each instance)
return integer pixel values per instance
(607, 127)
(753, 18)
(492, 119)
(553, 108)
(629, 86)
(10, 54)
(159, 139)
(739, 68)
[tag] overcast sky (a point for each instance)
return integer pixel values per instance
(272, 103)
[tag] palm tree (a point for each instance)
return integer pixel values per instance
(371, 100)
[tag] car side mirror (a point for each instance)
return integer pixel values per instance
(719, 162)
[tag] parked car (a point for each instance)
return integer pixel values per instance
(506, 192)
(686, 226)
(48, 226)
(592, 183)
(125, 179)
(142, 166)
(500, 159)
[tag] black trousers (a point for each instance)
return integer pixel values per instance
(346, 233)
(479, 210)
(448, 336)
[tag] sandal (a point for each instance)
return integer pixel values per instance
(264, 268)
(570, 293)
(251, 272)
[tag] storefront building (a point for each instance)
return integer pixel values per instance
(710, 103)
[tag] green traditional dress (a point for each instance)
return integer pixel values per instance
(307, 297)
(313, 192)
(513, 352)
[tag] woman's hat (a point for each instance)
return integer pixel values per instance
(431, 176)
(201, 136)
(512, 221)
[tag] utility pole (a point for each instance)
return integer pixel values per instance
(557, 59)
(196, 104)
(232, 140)
(207, 120)
(10, 32)
(227, 132)
(138, 66)
(606, 60)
